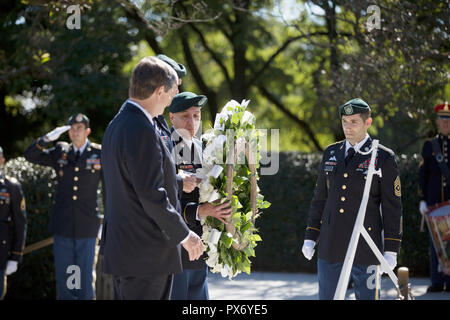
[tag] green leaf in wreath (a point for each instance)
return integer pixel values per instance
(256, 237)
(226, 240)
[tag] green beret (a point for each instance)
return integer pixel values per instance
(78, 118)
(354, 106)
(185, 100)
(178, 67)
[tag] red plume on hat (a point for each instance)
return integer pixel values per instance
(442, 110)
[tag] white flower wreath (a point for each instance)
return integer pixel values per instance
(235, 179)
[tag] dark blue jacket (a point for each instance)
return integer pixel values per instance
(143, 227)
(337, 199)
(75, 213)
(433, 186)
(13, 221)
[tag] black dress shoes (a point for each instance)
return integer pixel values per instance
(435, 288)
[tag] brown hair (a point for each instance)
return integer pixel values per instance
(365, 115)
(149, 74)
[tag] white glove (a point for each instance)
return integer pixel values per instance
(423, 207)
(99, 234)
(308, 249)
(391, 259)
(55, 133)
(11, 267)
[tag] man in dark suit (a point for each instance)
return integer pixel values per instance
(336, 201)
(75, 218)
(434, 185)
(143, 228)
(13, 225)
(185, 115)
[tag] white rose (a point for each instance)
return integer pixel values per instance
(214, 237)
(244, 103)
(215, 171)
(248, 117)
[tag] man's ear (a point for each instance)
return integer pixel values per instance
(88, 131)
(171, 116)
(159, 91)
(369, 121)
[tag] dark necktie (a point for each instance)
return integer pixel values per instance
(77, 155)
(350, 154)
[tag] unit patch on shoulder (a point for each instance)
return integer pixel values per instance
(397, 187)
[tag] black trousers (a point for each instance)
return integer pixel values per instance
(155, 287)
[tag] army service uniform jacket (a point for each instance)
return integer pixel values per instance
(75, 213)
(433, 186)
(13, 221)
(337, 198)
(189, 163)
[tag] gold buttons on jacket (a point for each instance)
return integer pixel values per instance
(342, 198)
(75, 178)
(76, 169)
(344, 187)
(74, 198)
(341, 210)
(369, 229)
(75, 188)
(345, 175)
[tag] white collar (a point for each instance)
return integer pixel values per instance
(75, 149)
(186, 141)
(357, 146)
(148, 115)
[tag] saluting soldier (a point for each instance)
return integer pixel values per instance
(75, 217)
(185, 115)
(337, 198)
(13, 225)
(434, 184)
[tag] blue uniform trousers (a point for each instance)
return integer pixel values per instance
(74, 268)
(190, 285)
(366, 280)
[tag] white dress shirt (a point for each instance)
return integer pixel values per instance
(357, 146)
(75, 149)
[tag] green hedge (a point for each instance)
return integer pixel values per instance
(281, 226)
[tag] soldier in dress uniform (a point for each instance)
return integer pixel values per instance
(75, 217)
(434, 184)
(337, 198)
(185, 115)
(13, 225)
(187, 183)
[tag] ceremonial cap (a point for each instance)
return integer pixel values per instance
(78, 118)
(442, 110)
(178, 67)
(185, 100)
(354, 106)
